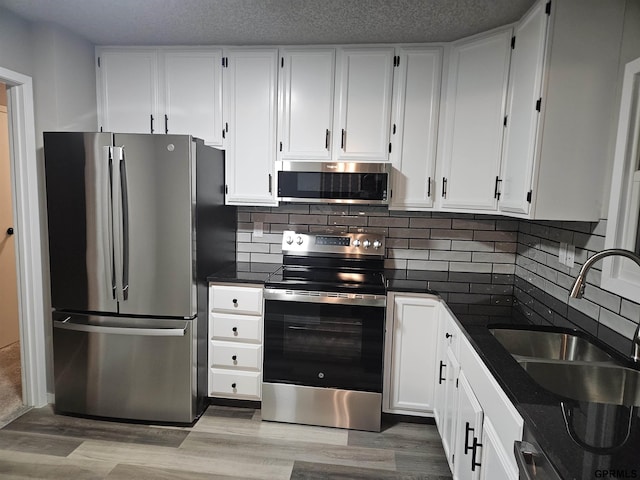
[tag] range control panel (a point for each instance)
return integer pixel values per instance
(360, 243)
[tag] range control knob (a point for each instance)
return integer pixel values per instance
(377, 244)
(366, 244)
(356, 243)
(289, 240)
(299, 240)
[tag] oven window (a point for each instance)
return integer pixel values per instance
(353, 186)
(325, 345)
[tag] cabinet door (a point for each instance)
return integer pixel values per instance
(250, 80)
(468, 436)
(446, 339)
(525, 85)
(495, 461)
(193, 94)
(128, 91)
(363, 104)
(306, 88)
(475, 106)
(451, 405)
(414, 127)
(413, 360)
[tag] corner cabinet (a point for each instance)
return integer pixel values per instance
(168, 90)
(250, 117)
(562, 100)
(235, 341)
(414, 126)
(412, 322)
(473, 121)
(364, 85)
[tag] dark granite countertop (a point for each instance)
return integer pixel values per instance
(244, 272)
(480, 300)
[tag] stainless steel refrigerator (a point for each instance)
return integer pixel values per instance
(136, 223)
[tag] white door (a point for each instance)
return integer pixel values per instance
(128, 91)
(250, 80)
(414, 127)
(495, 461)
(451, 405)
(363, 104)
(193, 94)
(468, 442)
(475, 106)
(413, 355)
(306, 92)
(525, 86)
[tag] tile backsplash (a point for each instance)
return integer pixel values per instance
(437, 242)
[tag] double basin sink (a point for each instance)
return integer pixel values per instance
(571, 366)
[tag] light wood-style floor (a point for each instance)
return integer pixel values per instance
(226, 443)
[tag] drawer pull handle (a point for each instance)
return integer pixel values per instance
(440, 377)
(233, 385)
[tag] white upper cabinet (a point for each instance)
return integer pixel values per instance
(363, 104)
(525, 84)
(250, 115)
(474, 117)
(578, 105)
(414, 126)
(306, 87)
(193, 94)
(161, 91)
(128, 90)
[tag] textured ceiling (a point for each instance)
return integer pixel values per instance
(254, 22)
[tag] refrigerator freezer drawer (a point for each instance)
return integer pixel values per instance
(122, 367)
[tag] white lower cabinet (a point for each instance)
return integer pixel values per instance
(235, 341)
(412, 321)
(477, 422)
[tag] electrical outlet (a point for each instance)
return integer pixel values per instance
(571, 256)
(562, 253)
(258, 229)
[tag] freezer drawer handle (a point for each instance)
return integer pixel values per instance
(147, 332)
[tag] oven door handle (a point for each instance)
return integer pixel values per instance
(368, 300)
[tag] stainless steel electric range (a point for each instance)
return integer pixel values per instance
(324, 331)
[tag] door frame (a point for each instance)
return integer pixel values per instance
(26, 212)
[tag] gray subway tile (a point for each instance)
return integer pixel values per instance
(397, 222)
(430, 222)
(452, 234)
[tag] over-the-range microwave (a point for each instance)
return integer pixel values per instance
(334, 182)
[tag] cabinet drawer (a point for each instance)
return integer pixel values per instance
(235, 355)
(236, 327)
(231, 383)
(232, 299)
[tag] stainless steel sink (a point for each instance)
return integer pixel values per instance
(549, 345)
(600, 383)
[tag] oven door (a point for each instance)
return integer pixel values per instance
(316, 344)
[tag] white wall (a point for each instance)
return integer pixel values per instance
(15, 43)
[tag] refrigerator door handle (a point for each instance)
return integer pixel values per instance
(108, 232)
(146, 332)
(125, 227)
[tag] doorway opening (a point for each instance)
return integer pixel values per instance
(10, 358)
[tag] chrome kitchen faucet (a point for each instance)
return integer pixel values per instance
(578, 288)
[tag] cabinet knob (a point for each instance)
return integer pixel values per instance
(235, 330)
(233, 385)
(235, 302)
(234, 357)
(10, 231)
(448, 335)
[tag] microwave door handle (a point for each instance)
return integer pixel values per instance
(125, 227)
